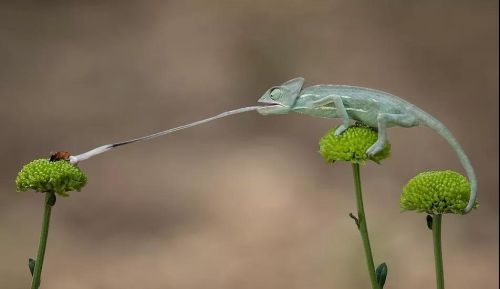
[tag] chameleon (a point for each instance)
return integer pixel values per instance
(375, 108)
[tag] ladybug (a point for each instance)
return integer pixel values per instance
(60, 155)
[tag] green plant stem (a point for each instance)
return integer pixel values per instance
(438, 254)
(363, 227)
(43, 241)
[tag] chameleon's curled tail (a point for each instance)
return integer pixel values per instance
(441, 129)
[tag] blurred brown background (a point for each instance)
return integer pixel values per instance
(246, 201)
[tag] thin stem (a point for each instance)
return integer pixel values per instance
(43, 241)
(438, 254)
(363, 227)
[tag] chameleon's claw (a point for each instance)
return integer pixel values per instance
(341, 129)
(375, 149)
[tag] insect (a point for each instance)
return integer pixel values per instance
(374, 108)
(60, 155)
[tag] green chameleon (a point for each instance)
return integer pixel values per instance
(374, 108)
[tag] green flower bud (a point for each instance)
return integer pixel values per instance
(351, 145)
(48, 176)
(436, 192)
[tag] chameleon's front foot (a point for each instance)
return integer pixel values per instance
(341, 129)
(377, 147)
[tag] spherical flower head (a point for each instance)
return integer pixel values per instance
(351, 145)
(50, 176)
(436, 192)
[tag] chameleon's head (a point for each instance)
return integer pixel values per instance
(280, 99)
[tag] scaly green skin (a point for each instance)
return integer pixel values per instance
(374, 108)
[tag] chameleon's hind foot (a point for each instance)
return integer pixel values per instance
(377, 147)
(341, 129)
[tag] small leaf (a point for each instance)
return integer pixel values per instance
(31, 265)
(381, 273)
(429, 221)
(356, 220)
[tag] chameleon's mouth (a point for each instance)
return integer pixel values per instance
(272, 108)
(267, 103)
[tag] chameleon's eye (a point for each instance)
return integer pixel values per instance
(275, 93)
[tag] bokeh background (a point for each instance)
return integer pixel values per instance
(246, 201)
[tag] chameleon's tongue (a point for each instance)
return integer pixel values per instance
(105, 148)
